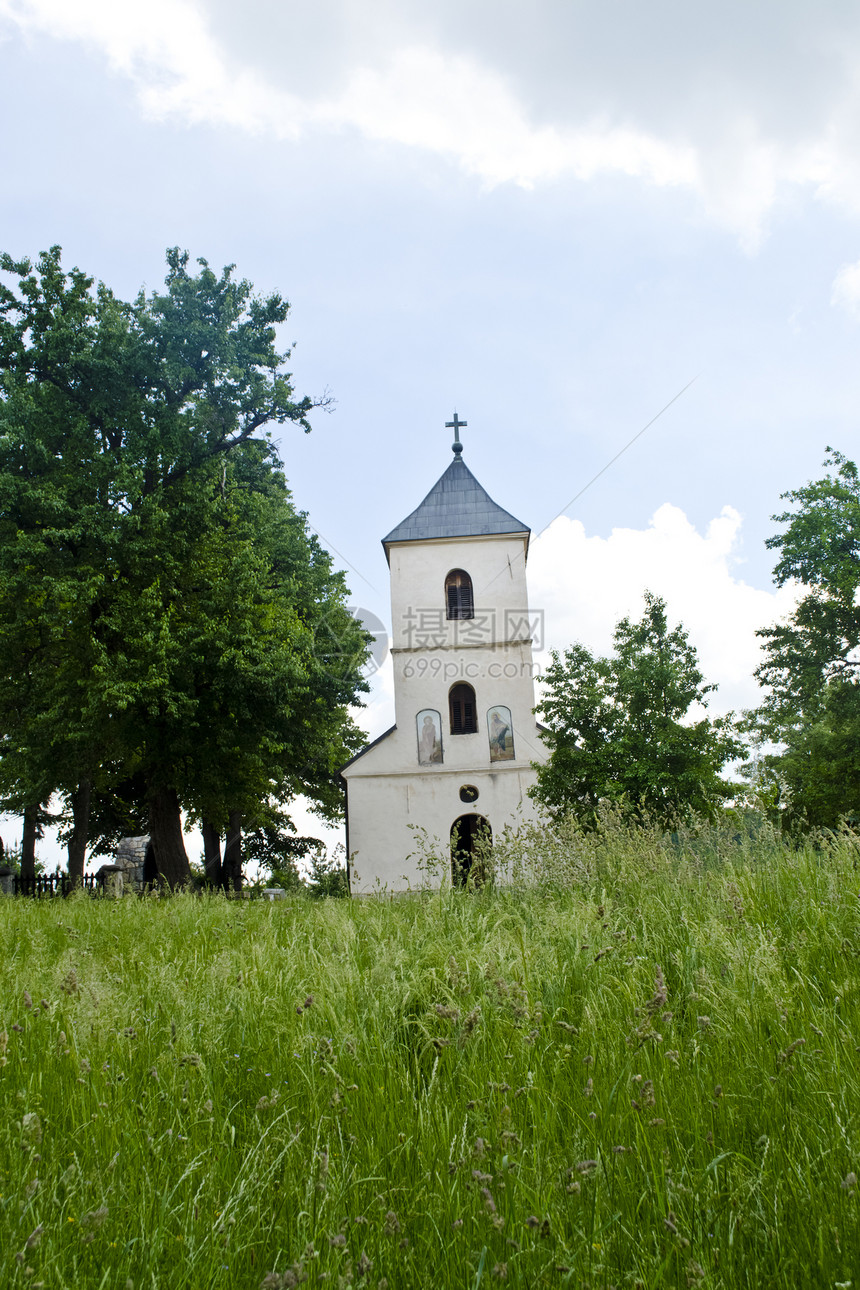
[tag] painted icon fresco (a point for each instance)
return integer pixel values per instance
(501, 731)
(429, 737)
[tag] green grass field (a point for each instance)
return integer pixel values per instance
(642, 1070)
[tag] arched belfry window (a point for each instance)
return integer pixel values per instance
(463, 709)
(458, 595)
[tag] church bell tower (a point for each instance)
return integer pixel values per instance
(457, 763)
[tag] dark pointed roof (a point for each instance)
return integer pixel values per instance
(456, 506)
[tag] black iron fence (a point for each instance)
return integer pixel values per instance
(55, 884)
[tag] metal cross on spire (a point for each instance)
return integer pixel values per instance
(456, 446)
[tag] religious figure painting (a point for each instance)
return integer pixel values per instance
(429, 737)
(501, 731)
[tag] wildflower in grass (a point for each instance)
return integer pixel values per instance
(70, 983)
(849, 1182)
(457, 1224)
(489, 1203)
(28, 1002)
(704, 1023)
(588, 1060)
(479, 1148)
(338, 1240)
(589, 1088)
(695, 1273)
(391, 1223)
(571, 1030)
(586, 1167)
(500, 1271)
(34, 1238)
(17, 1028)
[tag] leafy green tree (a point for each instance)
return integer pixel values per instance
(619, 728)
(160, 596)
(811, 669)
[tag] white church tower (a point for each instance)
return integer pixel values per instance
(457, 762)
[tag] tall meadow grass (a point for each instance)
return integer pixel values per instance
(634, 1064)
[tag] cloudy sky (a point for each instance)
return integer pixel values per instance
(551, 216)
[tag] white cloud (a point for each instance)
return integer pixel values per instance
(846, 288)
(585, 584)
(737, 114)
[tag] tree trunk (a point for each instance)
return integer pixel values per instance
(79, 836)
(232, 867)
(168, 844)
(28, 841)
(211, 852)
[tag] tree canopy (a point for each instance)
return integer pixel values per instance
(161, 599)
(811, 706)
(619, 729)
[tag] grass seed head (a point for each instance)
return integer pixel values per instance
(489, 1203)
(31, 1126)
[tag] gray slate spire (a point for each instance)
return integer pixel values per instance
(456, 506)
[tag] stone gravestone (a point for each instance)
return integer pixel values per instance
(113, 880)
(130, 859)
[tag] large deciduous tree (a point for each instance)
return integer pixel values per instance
(811, 669)
(621, 730)
(160, 596)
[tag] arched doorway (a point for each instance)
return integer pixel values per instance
(471, 838)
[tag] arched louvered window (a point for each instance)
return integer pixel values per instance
(463, 709)
(458, 595)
